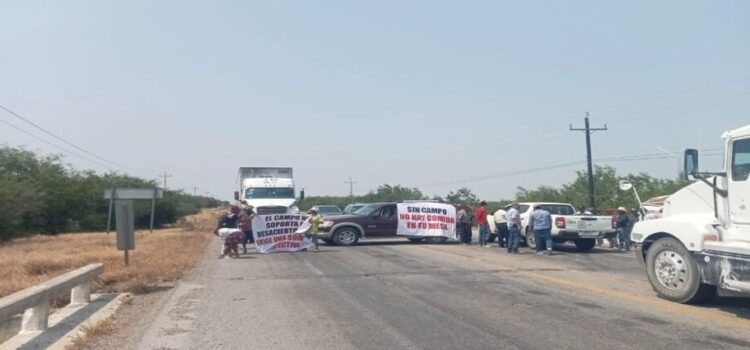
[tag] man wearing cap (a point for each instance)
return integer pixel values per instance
(513, 217)
(623, 223)
(315, 220)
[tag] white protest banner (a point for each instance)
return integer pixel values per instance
(426, 219)
(277, 233)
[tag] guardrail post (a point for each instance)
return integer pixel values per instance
(81, 294)
(35, 319)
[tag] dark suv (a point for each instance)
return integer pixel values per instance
(376, 220)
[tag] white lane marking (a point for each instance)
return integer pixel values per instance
(627, 256)
(314, 269)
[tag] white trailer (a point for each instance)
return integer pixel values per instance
(270, 190)
(702, 241)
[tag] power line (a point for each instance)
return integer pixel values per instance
(56, 146)
(60, 138)
(507, 174)
(648, 156)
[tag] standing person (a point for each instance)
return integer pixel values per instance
(540, 222)
(623, 224)
(501, 227)
(315, 220)
(484, 227)
(245, 223)
(513, 218)
(227, 224)
(464, 225)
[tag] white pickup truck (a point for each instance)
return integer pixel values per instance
(583, 230)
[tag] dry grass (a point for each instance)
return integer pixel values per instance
(159, 257)
(90, 332)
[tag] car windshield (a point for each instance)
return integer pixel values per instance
(269, 192)
(560, 209)
(328, 210)
(366, 210)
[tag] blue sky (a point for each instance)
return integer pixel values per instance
(418, 93)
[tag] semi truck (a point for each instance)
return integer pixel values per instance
(701, 242)
(270, 190)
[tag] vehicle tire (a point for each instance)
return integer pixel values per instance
(674, 275)
(491, 238)
(530, 240)
(585, 244)
(346, 236)
(435, 240)
(416, 240)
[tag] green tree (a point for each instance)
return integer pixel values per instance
(41, 194)
(607, 192)
(462, 196)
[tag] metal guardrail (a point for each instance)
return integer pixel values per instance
(34, 302)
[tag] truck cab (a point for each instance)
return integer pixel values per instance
(702, 241)
(269, 190)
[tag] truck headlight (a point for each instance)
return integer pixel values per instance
(326, 224)
(294, 209)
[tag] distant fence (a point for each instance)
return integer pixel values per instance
(34, 302)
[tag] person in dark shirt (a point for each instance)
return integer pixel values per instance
(245, 223)
(623, 226)
(227, 224)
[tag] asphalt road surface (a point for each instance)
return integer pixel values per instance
(400, 295)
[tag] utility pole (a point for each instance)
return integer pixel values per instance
(165, 176)
(351, 186)
(195, 191)
(588, 130)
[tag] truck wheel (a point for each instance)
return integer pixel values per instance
(435, 240)
(530, 240)
(674, 274)
(416, 240)
(346, 236)
(585, 244)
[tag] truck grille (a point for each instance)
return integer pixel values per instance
(271, 210)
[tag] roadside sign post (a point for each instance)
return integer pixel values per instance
(121, 200)
(133, 193)
(111, 202)
(125, 227)
(153, 209)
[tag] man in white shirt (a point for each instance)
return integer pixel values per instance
(513, 219)
(501, 227)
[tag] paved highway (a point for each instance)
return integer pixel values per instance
(399, 295)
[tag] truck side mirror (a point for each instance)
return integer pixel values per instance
(236, 195)
(690, 164)
(301, 195)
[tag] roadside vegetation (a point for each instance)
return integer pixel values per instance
(39, 194)
(606, 180)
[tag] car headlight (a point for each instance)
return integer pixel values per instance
(326, 224)
(294, 209)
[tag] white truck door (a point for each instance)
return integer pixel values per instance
(739, 186)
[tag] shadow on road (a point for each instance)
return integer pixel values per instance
(572, 249)
(394, 242)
